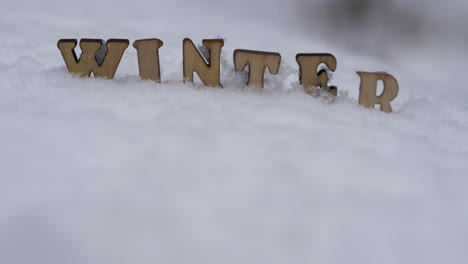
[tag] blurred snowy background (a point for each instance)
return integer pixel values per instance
(127, 171)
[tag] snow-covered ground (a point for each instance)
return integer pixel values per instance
(129, 171)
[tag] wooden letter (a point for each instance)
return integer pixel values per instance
(194, 62)
(87, 62)
(257, 61)
(148, 58)
(368, 90)
(308, 76)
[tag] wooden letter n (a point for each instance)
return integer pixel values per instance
(208, 70)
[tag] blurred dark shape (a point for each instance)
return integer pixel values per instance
(372, 25)
(351, 11)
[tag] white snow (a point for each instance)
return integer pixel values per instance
(129, 171)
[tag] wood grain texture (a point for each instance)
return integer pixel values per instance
(148, 58)
(368, 90)
(87, 63)
(309, 78)
(258, 61)
(208, 69)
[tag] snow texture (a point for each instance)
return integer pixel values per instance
(129, 171)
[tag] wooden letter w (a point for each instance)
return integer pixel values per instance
(88, 62)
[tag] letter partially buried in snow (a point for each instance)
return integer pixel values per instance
(87, 63)
(368, 90)
(257, 61)
(194, 62)
(148, 58)
(308, 75)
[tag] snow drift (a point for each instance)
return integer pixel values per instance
(129, 171)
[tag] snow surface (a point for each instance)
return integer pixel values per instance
(129, 171)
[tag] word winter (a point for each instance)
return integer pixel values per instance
(208, 67)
